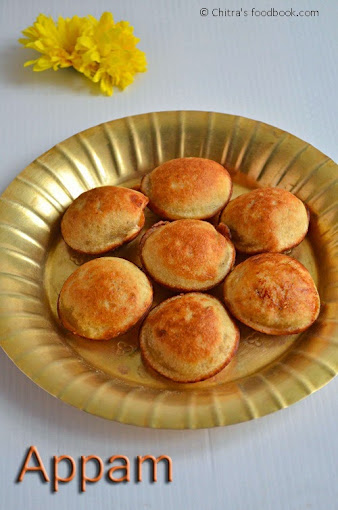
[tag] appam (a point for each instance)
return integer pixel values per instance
(186, 254)
(104, 298)
(266, 220)
(272, 293)
(102, 219)
(188, 338)
(195, 188)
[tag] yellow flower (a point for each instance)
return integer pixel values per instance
(103, 50)
(56, 42)
(109, 54)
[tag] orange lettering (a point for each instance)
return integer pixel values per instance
(140, 460)
(40, 467)
(84, 477)
(125, 467)
(70, 477)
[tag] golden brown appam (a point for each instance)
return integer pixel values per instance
(266, 220)
(102, 219)
(272, 293)
(186, 254)
(104, 298)
(195, 188)
(188, 338)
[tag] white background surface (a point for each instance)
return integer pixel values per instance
(280, 71)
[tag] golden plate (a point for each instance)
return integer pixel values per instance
(108, 378)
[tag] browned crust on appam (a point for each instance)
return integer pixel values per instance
(204, 378)
(72, 330)
(225, 232)
(112, 247)
(210, 374)
(148, 234)
(223, 229)
(165, 214)
(114, 244)
(271, 330)
(70, 327)
(162, 214)
(265, 223)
